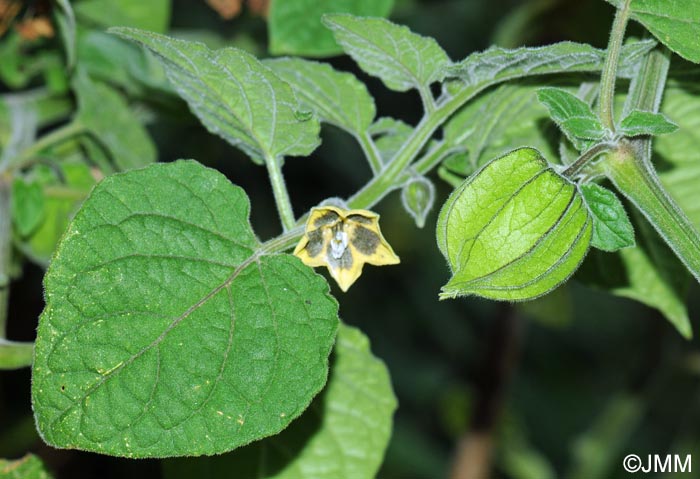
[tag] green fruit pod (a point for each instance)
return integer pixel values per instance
(514, 230)
(417, 197)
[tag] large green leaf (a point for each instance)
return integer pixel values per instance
(166, 330)
(343, 434)
(105, 113)
(681, 104)
(337, 97)
(499, 121)
(500, 64)
(295, 26)
(675, 23)
(29, 467)
(400, 58)
(152, 15)
(27, 205)
(235, 96)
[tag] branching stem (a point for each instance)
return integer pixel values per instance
(609, 75)
(279, 190)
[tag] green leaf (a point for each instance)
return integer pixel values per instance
(648, 272)
(27, 205)
(62, 196)
(574, 116)
(390, 135)
(343, 434)
(400, 58)
(612, 229)
(105, 113)
(66, 23)
(235, 96)
(295, 26)
(497, 122)
(514, 230)
(681, 104)
(152, 15)
(122, 63)
(499, 64)
(29, 467)
(676, 24)
(337, 98)
(646, 123)
(597, 452)
(166, 330)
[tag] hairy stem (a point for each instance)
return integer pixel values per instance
(5, 250)
(637, 180)
(473, 458)
(15, 355)
(586, 157)
(609, 75)
(279, 190)
(58, 135)
(370, 151)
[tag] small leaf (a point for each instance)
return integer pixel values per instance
(676, 24)
(499, 64)
(105, 113)
(338, 98)
(646, 123)
(343, 434)
(417, 198)
(343, 241)
(612, 229)
(400, 58)
(153, 15)
(390, 135)
(574, 116)
(514, 230)
(295, 26)
(166, 332)
(234, 95)
(62, 196)
(27, 205)
(29, 467)
(66, 24)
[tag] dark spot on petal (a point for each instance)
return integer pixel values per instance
(360, 219)
(326, 219)
(315, 244)
(366, 241)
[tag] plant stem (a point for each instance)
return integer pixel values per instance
(15, 355)
(58, 135)
(474, 456)
(585, 158)
(637, 180)
(434, 156)
(370, 150)
(609, 75)
(279, 190)
(5, 249)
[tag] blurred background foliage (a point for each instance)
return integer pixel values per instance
(564, 386)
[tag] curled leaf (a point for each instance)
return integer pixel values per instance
(343, 241)
(514, 230)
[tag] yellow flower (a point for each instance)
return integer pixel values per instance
(343, 241)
